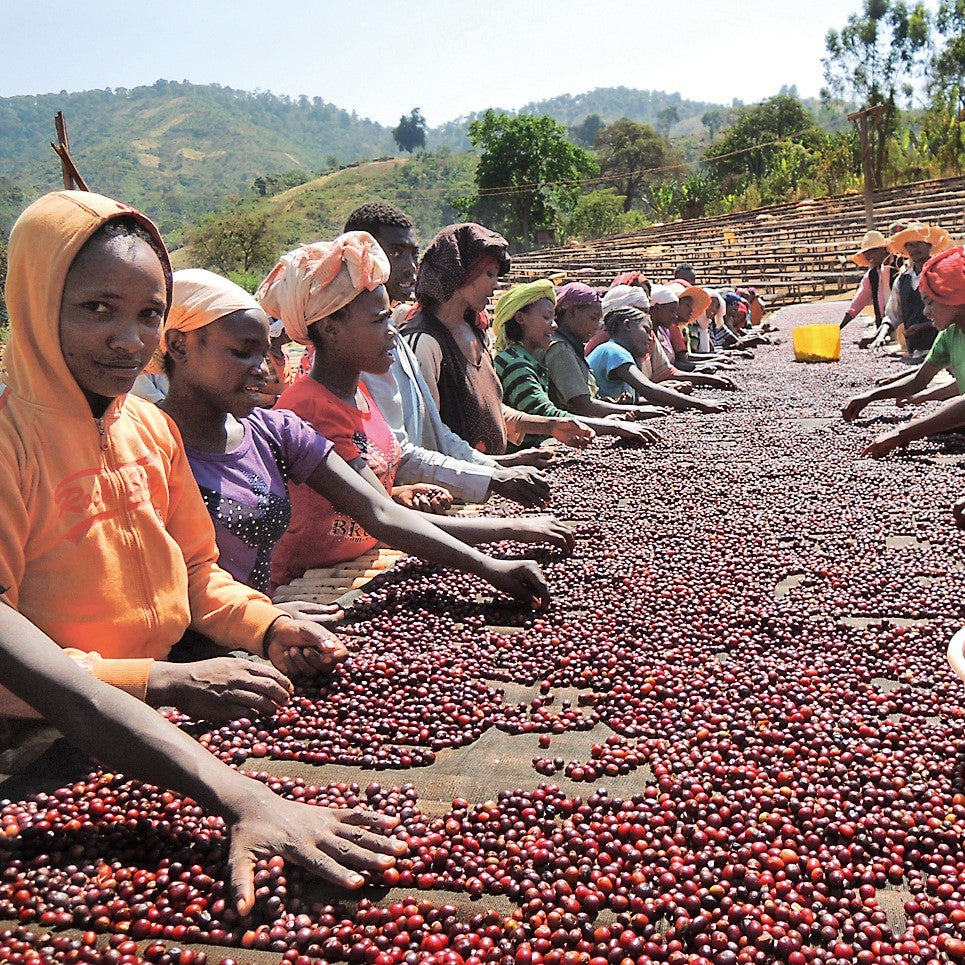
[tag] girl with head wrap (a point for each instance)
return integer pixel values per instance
(332, 294)
(524, 326)
(942, 287)
(456, 279)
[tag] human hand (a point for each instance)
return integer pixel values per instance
(224, 688)
(711, 408)
(423, 498)
(522, 484)
(573, 433)
(723, 382)
(324, 614)
(853, 408)
(958, 511)
(334, 845)
(684, 388)
(302, 649)
(646, 412)
(884, 444)
(544, 529)
(537, 457)
(521, 579)
(634, 431)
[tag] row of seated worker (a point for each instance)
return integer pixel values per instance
(129, 525)
(922, 305)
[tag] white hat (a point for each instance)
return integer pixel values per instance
(662, 295)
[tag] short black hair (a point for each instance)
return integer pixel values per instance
(684, 270)
(374, 215)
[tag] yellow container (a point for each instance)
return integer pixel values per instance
(817, 343)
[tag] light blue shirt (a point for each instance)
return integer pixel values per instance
(602, 361)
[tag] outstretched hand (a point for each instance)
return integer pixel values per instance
(423, 498)
(334, 845)
(301, 649)
(324, 614)
(523, 580)
(545, 529)
(882, 445)
(223, 688)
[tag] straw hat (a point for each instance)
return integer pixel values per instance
(871, 240)
(701, 300)
(941, 240)
(916, 231)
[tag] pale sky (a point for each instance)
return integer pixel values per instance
(381, 58)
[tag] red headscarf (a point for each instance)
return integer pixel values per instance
(943, 277)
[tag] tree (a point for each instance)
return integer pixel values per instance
(411, 132)
(713, 120)
(873, 59)
(748, 149)
(601, 213)
(586, 132)
(528, 173)
(634, 155)
(237, 241)
(666, 119)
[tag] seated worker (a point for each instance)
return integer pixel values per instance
(571, 383)
(244, 457)
(523, 327)
(333, 295)
(942, 286)
(122, 733)
(431, 451)
(106, 545)
(668, 310)
(905, 311)
(616, 363)
(874, 289)
(456, 279)
(685, 272)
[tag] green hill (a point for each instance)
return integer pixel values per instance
(424, 186)
(177, 150)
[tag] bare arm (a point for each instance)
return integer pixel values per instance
(359, 494)
(898, 389)
(657, 394)
(949, 417)
(125, 734)
(941, 393)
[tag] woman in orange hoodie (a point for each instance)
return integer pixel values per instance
(105, 543)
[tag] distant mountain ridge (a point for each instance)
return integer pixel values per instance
(179, 150)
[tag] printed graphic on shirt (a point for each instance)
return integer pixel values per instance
(93, 495)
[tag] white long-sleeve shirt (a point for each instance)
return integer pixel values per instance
(431, 451)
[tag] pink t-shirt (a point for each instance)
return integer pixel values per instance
(319, 535)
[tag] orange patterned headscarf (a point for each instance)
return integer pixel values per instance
(317, 280)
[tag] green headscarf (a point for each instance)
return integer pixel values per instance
(516, 298)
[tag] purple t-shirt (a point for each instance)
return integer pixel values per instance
(246, 491)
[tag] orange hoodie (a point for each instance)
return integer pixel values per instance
(105, 543)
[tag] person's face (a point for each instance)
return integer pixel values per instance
(362, 335)
(224, 362)
(943, 316)
(399, 245)
(111, 314)
(876, 257)
(684, 307)
(663, 316)
(478, 292)
(638, 336)
(918, 251)
(538, 322)
(582, 321)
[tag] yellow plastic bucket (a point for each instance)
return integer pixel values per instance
(817, 343)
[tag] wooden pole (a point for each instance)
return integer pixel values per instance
(866, 167)
(72, 177)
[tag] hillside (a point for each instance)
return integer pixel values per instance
(423, 186)
(176, 149)
(179, 150)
